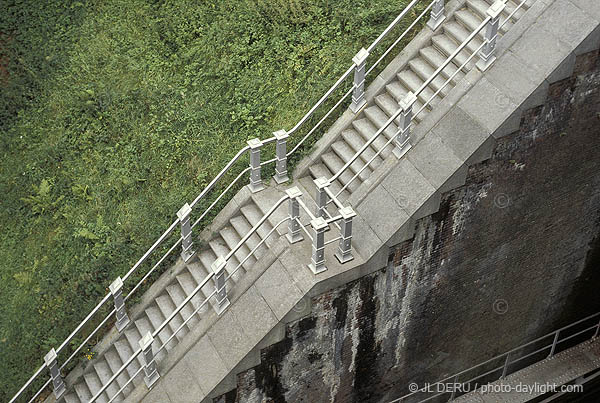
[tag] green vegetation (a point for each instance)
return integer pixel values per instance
(114, 113)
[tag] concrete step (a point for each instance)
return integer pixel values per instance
(104, 374)
(459, 34)
(397, 92)
(167, 307)
(94, 385)
(367, 130)
(144, 326)
(253, 215)
(133, 337)
(320, 170)
(72, 398)
(355, 142)
(156, 318)
(243, 227)
(436, 58)
(265, 200)
(335, 164)
(123, 349)
(188, 283)
(424, 70)
(447, 46)
(82, 391)
(199, 271)
(346, 153)
(178, 295)
(114, 362)
(470, 21)
(379, 118)
(480, 7)
(232, 238)
(413, 82)
(220, 249)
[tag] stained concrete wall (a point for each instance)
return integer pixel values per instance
(510, 255)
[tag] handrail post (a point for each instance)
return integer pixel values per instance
(505, 369)
(488, 52)
(294, 234)
(322, 197)
(186, 232)
(358, 94)
(57, 381)
(281, 175)
(554, 344)
(150, 371)
(256, 184)
(116, 289)
(344, 252)
(317, 260)
(402, 140)
(597, 331)
(437, 15)
(218, 268)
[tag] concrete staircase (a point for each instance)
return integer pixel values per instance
(104, 366)
(446, 39)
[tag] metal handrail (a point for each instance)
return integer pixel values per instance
(349, 71)
(556, 340)
(255, 227)
(459, 49)
(155, 333)
(211, 186)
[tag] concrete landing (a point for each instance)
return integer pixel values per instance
(564, 367)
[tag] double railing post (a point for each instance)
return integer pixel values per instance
(218, 268)
(437, 15)
(58, 384)
(322, 197)
(317, 260)
(256, 184)
(186, 232)
(344, 252)
(506, 363)
(281, 175)
(294, 234)
(150, 371)
(402, 139)
(358, 94)
(116, 289)
(488, 52)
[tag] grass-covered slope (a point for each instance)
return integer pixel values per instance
(115, 113)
